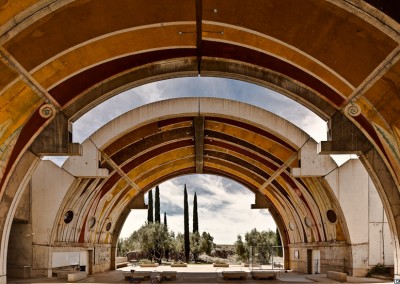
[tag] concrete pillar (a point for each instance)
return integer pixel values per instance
(9, 203)
(343, 137)
(390, 196)
(56, 139)
(312, 164)
(86, 165)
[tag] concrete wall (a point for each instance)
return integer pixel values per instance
(49, 186)
(20, 241)
(371, 242)
(324, 257)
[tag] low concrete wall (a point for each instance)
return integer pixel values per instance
(338, 276)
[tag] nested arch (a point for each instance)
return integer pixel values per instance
(333, 56)
(166, 139)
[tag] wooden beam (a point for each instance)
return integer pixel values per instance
(199, 32)
(199, 142)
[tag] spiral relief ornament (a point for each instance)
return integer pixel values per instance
(353, 109)
(46, 111)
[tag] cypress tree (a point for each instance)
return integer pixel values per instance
(165, 221)
(150, 208)
(195, 216)
(186, 224)
(157, 216)
(278, 242)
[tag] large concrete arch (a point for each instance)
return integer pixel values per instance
(131, 154)
(339, 58)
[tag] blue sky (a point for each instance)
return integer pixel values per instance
(223, 205)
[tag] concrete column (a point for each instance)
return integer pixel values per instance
(9, 203)
(56, 139)
(390, 196)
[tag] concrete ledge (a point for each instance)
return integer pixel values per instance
(338, 276)
(263, 274)
(76, 276)
(122, 264)
(221, 264)
(168, 275)
(138, 275)
(148, 264)
(178, 264)
(23, 271)
(234, 275)
(62, 274)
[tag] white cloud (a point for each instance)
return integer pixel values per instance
(225, 214)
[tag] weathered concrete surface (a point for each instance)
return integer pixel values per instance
(353, 65)
(365, 217)
(86, 165)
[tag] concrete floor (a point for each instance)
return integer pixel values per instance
(200, 274)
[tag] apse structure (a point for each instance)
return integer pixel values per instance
(338, 58)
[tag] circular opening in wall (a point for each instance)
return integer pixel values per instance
(92, 221)
(108, 226)
(68, 216)
(308, 222)
(331, 215)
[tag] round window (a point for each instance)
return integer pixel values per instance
(68, 216)
(308, 222)
(331, 215)
(92, 222)
(108, 226)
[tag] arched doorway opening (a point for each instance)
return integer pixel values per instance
(224, 211)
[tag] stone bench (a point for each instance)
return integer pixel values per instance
(338, 276)
(263, 274)
(221, 264)
(234, 275)
(178, 264)
(63, 274)
(137, 275)
(168, 275)
(122, 264)
(76, 276)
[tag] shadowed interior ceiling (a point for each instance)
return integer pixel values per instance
(339, 58)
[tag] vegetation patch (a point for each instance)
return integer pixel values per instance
(380, 270)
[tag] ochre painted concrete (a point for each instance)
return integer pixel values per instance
(338, 58)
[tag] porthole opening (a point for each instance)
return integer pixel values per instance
(68, 216)
(108, 226)
(331, 215)
(92, 222)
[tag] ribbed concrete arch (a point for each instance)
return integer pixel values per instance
(162, 140)
(338, 58)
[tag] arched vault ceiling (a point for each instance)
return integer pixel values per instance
(74, 54)
(142, 148)
(340, 58)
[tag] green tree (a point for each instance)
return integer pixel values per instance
(241, 249)
(157, 216)
(178, 247)
(186, 224)
(195, 245)
(165, 221)
(150, 208)
(278, 243)
(154, 240)
(262, 242)
(206, 243)
(195, 216)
